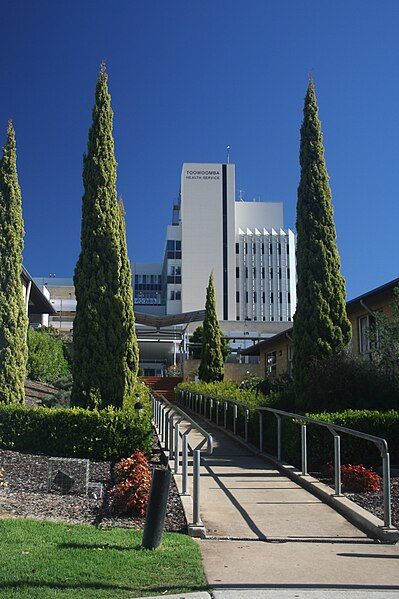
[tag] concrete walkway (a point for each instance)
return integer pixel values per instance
(266, 532)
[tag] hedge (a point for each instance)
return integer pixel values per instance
(97, 435)
(354, 450)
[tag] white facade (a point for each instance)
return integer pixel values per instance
(243, 243)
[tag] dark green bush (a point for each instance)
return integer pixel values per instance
(97, 435)
(46, 356)
(342, 382)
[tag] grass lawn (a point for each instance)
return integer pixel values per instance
(45, 559)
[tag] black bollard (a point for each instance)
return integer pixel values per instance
(156, 511)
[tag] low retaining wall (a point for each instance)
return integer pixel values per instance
(232, 372)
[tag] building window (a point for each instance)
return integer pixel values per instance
(170, 244)
(263, 248)
(288, 248)
(263, 272)
(280, 297)
(178, 295)
(237, 318)
(271, 273)
(366, 323)
(271, 363)
(246, 247)
(254, 273)
(172, 295)
(270, 249)
(288, 272)
(237, 272)
(255, 297)
(178, 246)
(279, 272)
(237, 297)
(279, 248)
(237, 248)
(263, 297)
(289, 297)
(246, 296)
(254, 248)
(246, 272)
(271, 297)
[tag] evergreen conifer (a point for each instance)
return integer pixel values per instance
(13, 318)
(105, 347)
(211, 368)
(321, 325)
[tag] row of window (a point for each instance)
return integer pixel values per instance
(150, 279)
(255, 297)
(264, 318)
(263, 272)
(262, 248)
(148, 287)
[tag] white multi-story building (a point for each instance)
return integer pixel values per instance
(243, 243)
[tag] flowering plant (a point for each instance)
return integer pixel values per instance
(133, 480)
(357, 478)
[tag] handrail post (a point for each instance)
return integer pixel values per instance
(225, 414)
(260, 431)
(246, 419)
(210, 408)
(337, 464)
(278, 417)
(196, 487)
(304, 450)
(177, 455)
(170, 436)
(235, 412)
(217, 413)
(184, 479)
(386, 483)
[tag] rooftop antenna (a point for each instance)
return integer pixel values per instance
(228, 154)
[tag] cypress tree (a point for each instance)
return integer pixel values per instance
(13, 318)
(211, 366)
(321, 325)
(105, 349)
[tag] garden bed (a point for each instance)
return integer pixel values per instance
(372, 502)
(26, 494)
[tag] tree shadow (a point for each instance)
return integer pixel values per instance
(99, 546)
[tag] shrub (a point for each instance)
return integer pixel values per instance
(98, 435)
(46, 358)
(133, 481)
(358, 479)
(342, 381)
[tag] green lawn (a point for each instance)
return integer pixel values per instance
(45, 559)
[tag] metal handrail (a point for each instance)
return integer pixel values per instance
(167, 419)
(195, 401)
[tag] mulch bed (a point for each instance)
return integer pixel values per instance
(372, 502)
(26, 494)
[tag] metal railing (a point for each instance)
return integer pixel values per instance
(167, 418)
(204, 406)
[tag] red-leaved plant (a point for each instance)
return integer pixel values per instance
(357, 478)
(133, 480)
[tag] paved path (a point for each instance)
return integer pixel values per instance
(265, 531)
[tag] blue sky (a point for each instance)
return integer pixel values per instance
(188, 78)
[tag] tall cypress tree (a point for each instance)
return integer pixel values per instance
(321, 325)
(13, 318)
(211, 368)
(105, 362)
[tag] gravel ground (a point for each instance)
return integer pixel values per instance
(26, 494)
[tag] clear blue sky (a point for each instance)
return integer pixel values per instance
(187, 78)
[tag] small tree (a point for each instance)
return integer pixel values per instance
(46, 359)
(211, 366)
(13, 318)
(197, 338)
(384, 339)
(321, 325)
